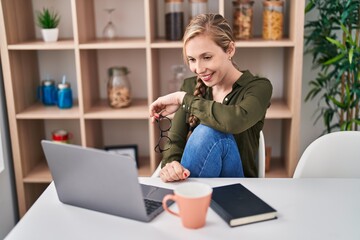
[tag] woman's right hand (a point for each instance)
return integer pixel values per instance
(166, 105)
(174, 171)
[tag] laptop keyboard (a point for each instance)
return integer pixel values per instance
(151, 205)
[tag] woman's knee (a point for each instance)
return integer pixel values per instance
(205, 134)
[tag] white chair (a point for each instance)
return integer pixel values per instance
(334, 155)
(261, 159)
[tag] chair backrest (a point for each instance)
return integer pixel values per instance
(334, 155)
(261, 159)
(261, 156)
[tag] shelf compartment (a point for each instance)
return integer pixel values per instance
(39, 111)
(137, 110)
(39, 174)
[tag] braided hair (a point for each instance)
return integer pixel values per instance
(215, 26)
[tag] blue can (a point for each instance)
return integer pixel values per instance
(64, 95)
(47, 92)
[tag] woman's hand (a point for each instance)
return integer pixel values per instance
(166, 105)
(174, 171)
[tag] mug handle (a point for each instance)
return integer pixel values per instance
(168, 198)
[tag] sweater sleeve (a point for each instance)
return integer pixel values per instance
(249, 108)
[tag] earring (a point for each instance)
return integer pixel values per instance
(229, 58)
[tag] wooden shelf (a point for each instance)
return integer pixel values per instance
(138, 110)
(128, 43)
(39, 174)
(260, 43)
(39, 111)
(255, 42)
(278, 110)
(62, 44)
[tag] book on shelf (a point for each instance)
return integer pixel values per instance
(237, 205)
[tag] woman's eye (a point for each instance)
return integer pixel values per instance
(207, 57)
(191, 60)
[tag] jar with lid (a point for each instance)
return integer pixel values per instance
(273, 19)
(118, 87)
(174, 19)
(197, 7)
(243, 16)
(64, 95)
(47, 92)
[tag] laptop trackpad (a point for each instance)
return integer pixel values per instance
(154, 193)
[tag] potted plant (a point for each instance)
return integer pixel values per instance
(333, 40)
(48, 21)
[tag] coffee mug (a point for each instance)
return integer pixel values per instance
(193, 200)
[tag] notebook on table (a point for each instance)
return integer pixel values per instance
(237, 205)
(102, 181)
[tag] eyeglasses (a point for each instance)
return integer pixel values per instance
(164, 143)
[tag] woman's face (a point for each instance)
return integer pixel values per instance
(207, 60)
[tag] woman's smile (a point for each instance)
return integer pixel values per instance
(205, 77)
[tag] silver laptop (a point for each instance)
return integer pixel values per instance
(101, 181)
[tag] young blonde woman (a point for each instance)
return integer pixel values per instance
(219, 112)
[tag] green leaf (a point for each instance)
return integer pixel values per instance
(351, 54)
(336, 102)
(334, 59)
(337, 43)
(309, 6)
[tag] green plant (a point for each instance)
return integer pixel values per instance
(47, 19)
(333, 41)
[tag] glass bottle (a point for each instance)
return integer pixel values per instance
(243, 16)
(109, 31)
(273, 19)
(174, 19)
(118, 87)
(178, 77)
(197, 7)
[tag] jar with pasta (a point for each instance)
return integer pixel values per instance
(243, 16)
(118, 87)
(273, 19)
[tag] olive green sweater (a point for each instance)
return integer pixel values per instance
(241, 113)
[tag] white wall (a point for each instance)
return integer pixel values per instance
(309, 131)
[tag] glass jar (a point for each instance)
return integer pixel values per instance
(174, 19)
(47, 92)
(273, 19)
(64, 95)
(118, 87)
(243, 16)
(197, 7)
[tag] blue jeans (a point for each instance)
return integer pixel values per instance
(211, 153)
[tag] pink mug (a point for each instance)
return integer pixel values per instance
(193, 200)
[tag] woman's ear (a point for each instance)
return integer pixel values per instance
(231, 49)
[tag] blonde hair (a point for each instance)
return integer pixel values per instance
(219, 30)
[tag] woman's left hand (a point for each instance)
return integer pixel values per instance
(166, 105)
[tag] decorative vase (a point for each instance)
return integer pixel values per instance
(50, 35)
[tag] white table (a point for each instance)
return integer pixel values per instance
(307, 209)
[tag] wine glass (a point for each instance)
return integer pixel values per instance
(109, 31)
